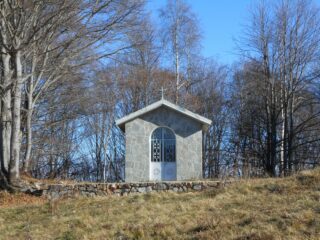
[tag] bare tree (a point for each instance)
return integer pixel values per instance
(41, 43)
(283, 47)
(181, 35)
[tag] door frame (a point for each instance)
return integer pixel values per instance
(150, 153)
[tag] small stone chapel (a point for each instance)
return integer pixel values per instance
(163, 143)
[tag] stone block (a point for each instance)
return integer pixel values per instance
(175, 189)
(197, 187)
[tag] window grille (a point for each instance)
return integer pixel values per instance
(163, 145)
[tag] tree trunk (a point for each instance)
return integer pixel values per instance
(177, 77)
(27, 158)
(16, 121)
(5, 116)
(177, 61)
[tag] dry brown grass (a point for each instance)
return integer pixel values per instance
(256, 209)
(8, 200)
(27, 178)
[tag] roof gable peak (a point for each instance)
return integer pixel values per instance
(163, 102)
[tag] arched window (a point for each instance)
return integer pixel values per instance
(163, 145)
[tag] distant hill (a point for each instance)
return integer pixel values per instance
(286, 208)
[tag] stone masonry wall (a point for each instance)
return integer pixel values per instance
(188, 145)
(55, 191)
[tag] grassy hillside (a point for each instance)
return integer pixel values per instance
(255, 209)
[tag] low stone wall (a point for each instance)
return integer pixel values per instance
(120, 189)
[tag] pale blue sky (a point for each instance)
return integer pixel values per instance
(221, 21)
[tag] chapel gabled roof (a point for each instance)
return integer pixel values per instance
(122, 121)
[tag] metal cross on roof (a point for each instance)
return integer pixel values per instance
(162, 92)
